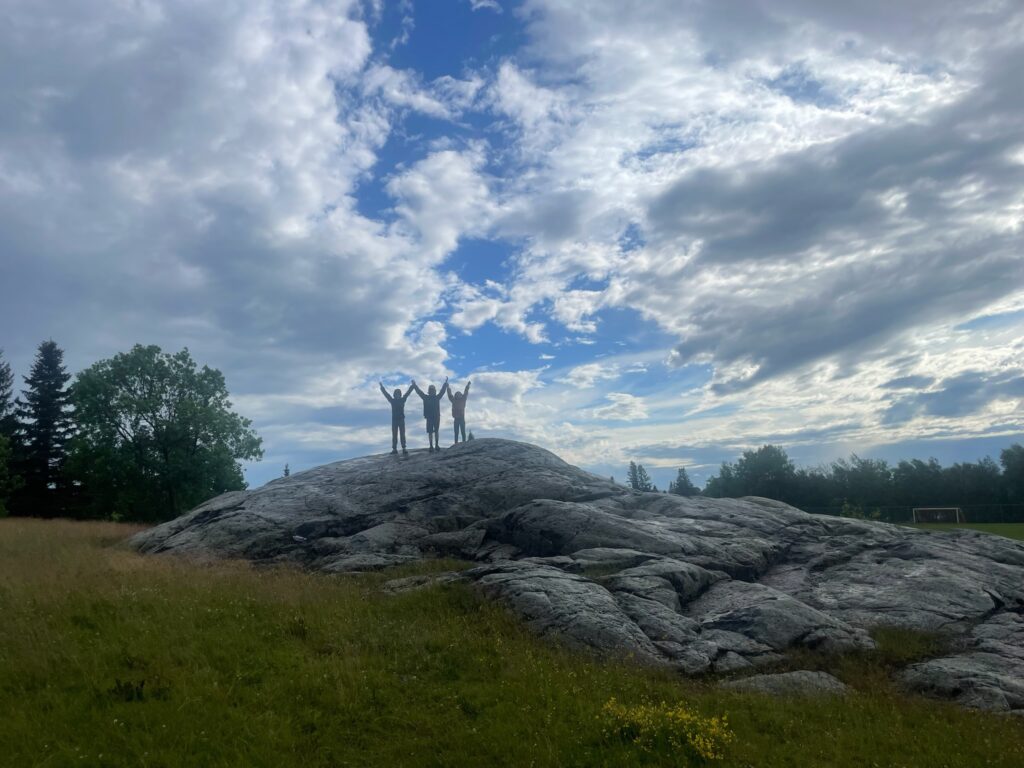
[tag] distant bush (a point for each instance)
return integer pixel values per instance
(672, 726)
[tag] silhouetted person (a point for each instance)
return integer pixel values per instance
(459, 410)
(397, 401)
(432, 412)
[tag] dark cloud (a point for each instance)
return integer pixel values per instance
(829, 197)
(163, 179)
(909, 382)
(705, 454)
(863, 271)
(958, 396)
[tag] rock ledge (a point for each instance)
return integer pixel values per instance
(703, 585)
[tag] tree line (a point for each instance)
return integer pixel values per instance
(859, 487)
(638, 479)
(144, 435)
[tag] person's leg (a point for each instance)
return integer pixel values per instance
(401, 432)
(462, 428)
(430, 435)
(394, 436)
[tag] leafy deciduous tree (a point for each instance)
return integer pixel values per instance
(767, 471)
(157, 435)
(1012, 459)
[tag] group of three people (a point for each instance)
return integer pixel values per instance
(431, 412)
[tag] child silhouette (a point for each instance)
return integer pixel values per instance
(397, 401)
(432, 412)
(459, 411)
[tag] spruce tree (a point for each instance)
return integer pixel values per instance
(637, 478)
(632, 480)
(44, 427)
(8, 422)
(682, 486)
(9, 480)
(644, 479)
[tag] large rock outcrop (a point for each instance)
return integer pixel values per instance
(700, 584)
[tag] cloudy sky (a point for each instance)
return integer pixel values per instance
(664, 231)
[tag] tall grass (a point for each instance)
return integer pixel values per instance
(1009, 530)
(108, 658)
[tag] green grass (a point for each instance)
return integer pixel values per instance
(1009, 530)
(112, 659)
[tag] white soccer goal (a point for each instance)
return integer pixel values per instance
(938, 515)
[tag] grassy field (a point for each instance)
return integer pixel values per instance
(1009, 530)
(111, 659)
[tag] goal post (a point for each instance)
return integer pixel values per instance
(938, 515)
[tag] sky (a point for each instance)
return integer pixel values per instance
(665, 232)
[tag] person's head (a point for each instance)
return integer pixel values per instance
(458, 395)
(432, 390)
(398, 393)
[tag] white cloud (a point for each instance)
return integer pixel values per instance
(589, 374)
(443, 197)
(491, 5)
(508, 386)
(809, 200)
(622, 407)
(401, 89)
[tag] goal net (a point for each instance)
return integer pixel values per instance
(938, 515)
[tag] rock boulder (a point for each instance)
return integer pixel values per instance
(699, 584)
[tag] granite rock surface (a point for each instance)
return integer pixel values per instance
(703, 585)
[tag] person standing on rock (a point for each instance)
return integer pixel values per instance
(432, 412)
(459, 411)
(397, 401)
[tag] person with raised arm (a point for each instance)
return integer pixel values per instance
(459, 411)
(432, 412)
(397, 401)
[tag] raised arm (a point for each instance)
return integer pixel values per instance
(444, 388)
(418, 390)
(385, 392)
(450, 395)
(407, 393)
(465, 392)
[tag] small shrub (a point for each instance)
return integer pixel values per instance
(858, 512)
(672, 726)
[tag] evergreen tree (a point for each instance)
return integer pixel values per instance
(9, 480)
(643, 479)
(470, 435)
(44, 427)
(682, 486)
(8, 420)
(638, 478)
(287, 471)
